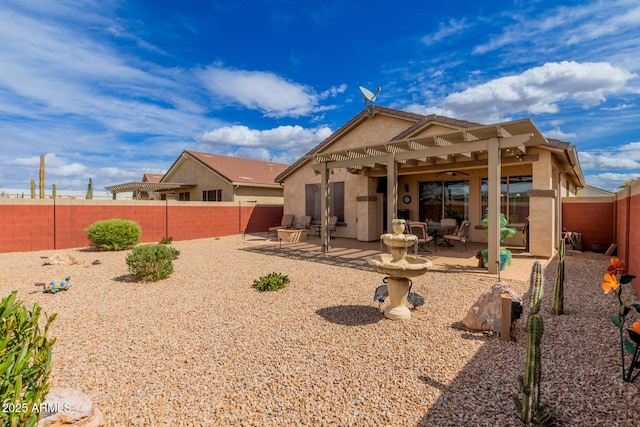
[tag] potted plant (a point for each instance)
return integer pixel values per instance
(505, 233)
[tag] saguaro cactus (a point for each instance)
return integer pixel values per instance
(558, 290)
(529, 408)
(41, 176)
(53, 191)
(90, 190)
(33, 188)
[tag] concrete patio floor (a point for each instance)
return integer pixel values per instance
(345, 250)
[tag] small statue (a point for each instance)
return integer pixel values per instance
(54, 287)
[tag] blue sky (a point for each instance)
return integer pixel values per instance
(113, 89)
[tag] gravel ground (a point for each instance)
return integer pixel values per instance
(204, 348)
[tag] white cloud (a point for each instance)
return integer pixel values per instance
(559, 134)
(54, 165)
(609, 181)
(538, 90)
(285, 143)
(333, 91)
(596, 161)
(563, 27)
(260, 90)
(446, 30)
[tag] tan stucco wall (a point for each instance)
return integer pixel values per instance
(544, 212)
(375, 130)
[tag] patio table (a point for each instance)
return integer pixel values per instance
(438, 231)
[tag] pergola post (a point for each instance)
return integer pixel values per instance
(324, 206)
(493, 233)
(392, 190)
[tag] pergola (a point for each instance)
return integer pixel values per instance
(459, 148)
(146, 186)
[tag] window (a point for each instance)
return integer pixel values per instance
(313, 201)
(444, 199)
(212, 196)
(184, 197)
(514, 197)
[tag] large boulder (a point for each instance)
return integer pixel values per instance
(69, 407)
(487, 308)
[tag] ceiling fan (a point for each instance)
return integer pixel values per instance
(451, 173)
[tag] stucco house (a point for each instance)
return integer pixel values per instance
(147, 195)
(200, 176)
(385, 163)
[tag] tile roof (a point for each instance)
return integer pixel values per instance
(152, 177)
(238, 169)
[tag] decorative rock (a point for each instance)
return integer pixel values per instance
(72, 408)
(487, 308)
(60, 260)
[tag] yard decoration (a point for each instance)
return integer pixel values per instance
(505, 233)
(631, 346)
(53, 287)
(558, 289)
(529, 408)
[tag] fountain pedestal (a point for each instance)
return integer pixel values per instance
(399, 267)
(398, 288)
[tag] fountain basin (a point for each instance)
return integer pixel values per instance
(409, 266)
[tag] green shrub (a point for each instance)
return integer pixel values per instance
(271, 282)
(25, 362)
(114, 234)
(166, 240)
(150, 263)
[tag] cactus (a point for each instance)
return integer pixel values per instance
(33, 189)
(529, 408)
(53, 191)
(41, 188)
(90, 190)
(558, 290)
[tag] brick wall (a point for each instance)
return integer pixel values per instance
(35, 224)
(593, 218)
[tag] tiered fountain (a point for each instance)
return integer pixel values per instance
(399, 267)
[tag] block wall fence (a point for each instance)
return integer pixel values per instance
(603, 221)
(40, 224)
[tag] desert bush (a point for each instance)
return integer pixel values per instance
(150, 263)
(25, 362)
(114, 234)
(271, 282)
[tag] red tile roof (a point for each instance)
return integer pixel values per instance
(238, 169)
(152, 177)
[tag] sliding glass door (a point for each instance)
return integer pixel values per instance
(444, 199)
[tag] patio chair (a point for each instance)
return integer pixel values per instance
(333, 223)
(304, 223)
(286, 222)
(462, 235)
(420, 230)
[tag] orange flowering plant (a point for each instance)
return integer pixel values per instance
(632, 345)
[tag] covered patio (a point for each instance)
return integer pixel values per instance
(385, 164)
(482, 147)
(352, 253)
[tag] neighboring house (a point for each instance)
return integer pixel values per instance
(589, 191)
(144, 194)
(386, 163)
(198, 176)
(216, 178)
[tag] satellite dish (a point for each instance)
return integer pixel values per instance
(369, 96)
